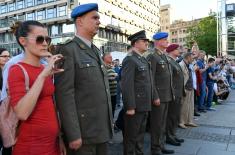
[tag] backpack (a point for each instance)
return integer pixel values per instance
(8, 119)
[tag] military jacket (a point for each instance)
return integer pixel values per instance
(136, 83)
(82, 94)
(162, 76)
(178, 78)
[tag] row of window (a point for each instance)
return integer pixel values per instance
(180, 32)
(111, 35)
(178, 40)
(49, 13)
(20, 4)
(53, 31)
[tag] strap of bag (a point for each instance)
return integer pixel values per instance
(26, 77)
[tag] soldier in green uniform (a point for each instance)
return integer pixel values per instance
(174, 106)
(136, 85)
(162, 77)
(82, 90)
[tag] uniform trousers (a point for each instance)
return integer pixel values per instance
(158, 118)
(90, 149)
(135, 126)
(173, 117)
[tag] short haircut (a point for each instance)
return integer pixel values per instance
(211, 60)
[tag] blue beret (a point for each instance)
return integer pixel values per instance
(83, 9)
(160, 35)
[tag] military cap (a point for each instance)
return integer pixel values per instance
(160, 35)
(186, 54)
(138, 36)
(172, 47)
(83, 9)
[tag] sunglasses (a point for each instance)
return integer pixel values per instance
(41, 39)
(5, 56)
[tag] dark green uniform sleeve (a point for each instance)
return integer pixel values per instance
(65, 98)
(127, 84)
(153, 63)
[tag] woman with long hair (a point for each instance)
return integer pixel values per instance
(38, 132)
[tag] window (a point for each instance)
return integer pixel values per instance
(54, 30)
(21, 17)
(39, 2)
(11, 7)
(51, 13)
(180, 39)
(3, 8)
(61, 11)
(41, 15)
(3, 22)
(30, 16)
(20, 4)
(29, 3)
(50, 0)
(68, 28)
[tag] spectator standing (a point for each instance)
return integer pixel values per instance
(187, 109)
(210, 83)
(34, 108)
(202, 86)
(112, 77)
(4, 57)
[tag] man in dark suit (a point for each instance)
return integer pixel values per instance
(173, 115)
(136, 86)
(82, 90)
(162, 77)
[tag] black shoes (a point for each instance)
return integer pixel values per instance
(179, 140)
(172, 142)
(196, 114)
(202, 110)
(166, 151)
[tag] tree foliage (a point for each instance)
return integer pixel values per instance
(205, 34)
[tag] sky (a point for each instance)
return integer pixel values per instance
(190, 9)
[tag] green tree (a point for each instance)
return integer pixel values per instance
(205, 34)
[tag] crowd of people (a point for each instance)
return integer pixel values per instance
(69, 108)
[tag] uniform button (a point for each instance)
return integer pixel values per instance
(82, 115)
(87, 65)
(102, 66)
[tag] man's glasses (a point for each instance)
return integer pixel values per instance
(41, 39)
(5, 56)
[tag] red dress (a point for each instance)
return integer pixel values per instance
(38, 134)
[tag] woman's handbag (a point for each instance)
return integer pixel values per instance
(8, 119)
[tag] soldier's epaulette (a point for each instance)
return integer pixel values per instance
(65, 42)
(129, 54)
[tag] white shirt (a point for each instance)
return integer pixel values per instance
(193, 76)
(5, 71)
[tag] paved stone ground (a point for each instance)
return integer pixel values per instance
(214, 136)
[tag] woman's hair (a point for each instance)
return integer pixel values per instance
(22, 29)
(2, 49)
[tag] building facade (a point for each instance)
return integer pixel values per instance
(226, 27)
(119, 19)
(178, 31)
(165, 18)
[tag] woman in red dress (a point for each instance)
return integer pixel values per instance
(38, 132)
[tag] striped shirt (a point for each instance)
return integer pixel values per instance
(112, 80)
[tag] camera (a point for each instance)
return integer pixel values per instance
(59, 64)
